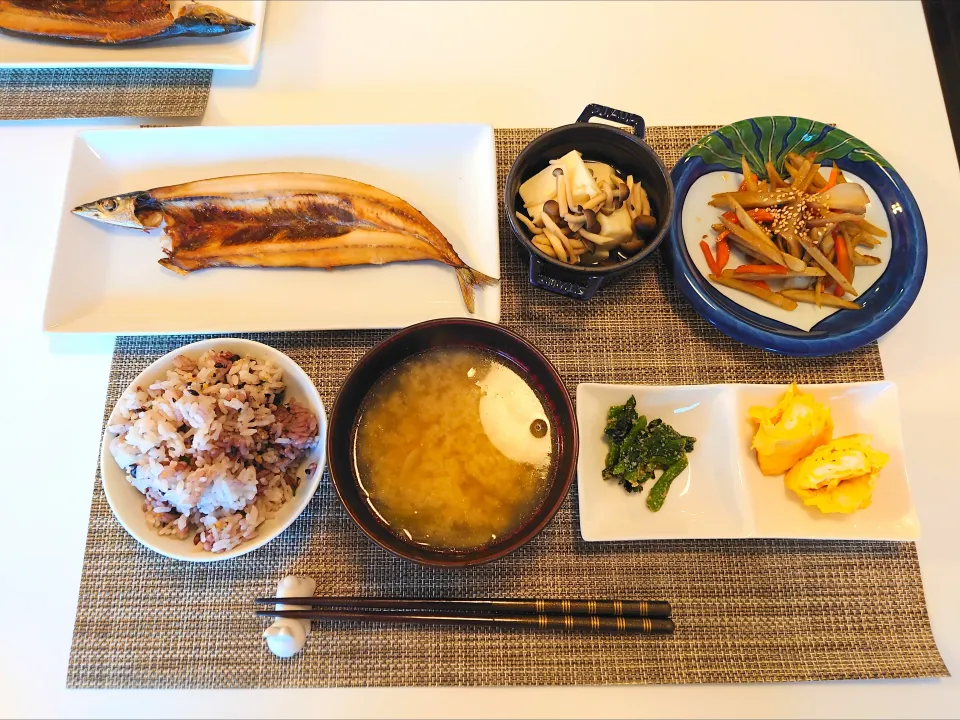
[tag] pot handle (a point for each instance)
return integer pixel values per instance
(595, 110)
(540, 277)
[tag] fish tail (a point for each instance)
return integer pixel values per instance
(468, 278)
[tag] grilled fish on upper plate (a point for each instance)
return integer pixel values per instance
(113, 22)
(283, 220)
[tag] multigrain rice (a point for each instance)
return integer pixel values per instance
(213, 447)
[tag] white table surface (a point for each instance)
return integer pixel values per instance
(414, 62)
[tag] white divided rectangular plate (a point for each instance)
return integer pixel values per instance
(237, 51)
(106, 278)
(722, 494)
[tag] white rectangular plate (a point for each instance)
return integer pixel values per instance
(722, 494)
(237, 51)
(106, 278)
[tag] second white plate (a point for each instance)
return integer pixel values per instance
(722, 494)
(106, 278)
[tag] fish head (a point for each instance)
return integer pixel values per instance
(209, 20)
(115, 210)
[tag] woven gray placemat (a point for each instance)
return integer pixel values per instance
(746, 611)
(32, 94)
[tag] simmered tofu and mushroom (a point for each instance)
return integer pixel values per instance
(584, 213)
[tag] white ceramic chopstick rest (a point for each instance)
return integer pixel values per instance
(287, 636)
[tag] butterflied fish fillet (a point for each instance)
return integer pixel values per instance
(113, 22)
(284, 220)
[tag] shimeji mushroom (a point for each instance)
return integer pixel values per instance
(644, 201)
(638, 197)
(591, 223)
(594, 202)
(607, 206)
(549, 224)
(551, 210)
(568, 189)
(529, 223)
(571, 253)
(631, 208)
(617, 202)
(544, 246)
(557, 246)
(644, 226)
(561, 191)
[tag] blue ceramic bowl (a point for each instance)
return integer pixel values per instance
(884, 303)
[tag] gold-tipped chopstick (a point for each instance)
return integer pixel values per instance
(576, 623)
(600, 608)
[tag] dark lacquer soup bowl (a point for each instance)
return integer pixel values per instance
(510, 349)
(629, 155)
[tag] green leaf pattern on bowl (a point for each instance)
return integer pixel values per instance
(773, 137)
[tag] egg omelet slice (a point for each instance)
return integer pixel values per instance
(789, 431)
(838, 477)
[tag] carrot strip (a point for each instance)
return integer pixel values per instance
(760, 215)
(843, 256)
(711, 262)
(723, 250)
(758, 283)
(834, 175)
(762, 269)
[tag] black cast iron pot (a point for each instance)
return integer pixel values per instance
(628, 154)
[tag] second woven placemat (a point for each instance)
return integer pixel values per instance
(31, 94)
(746, 611)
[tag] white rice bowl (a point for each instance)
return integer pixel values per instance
(224, 497)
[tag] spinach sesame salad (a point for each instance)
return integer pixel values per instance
(804, 232)
(637, 449)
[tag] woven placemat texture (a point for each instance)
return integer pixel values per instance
(32, 94)
(746, 611)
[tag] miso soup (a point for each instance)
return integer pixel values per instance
(454, 448)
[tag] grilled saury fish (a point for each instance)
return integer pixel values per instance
(113, 22)
(283, 220)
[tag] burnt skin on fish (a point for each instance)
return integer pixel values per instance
(284, 220)
(113, 22)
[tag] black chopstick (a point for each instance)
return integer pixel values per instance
(599, 608)
(578, 623)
